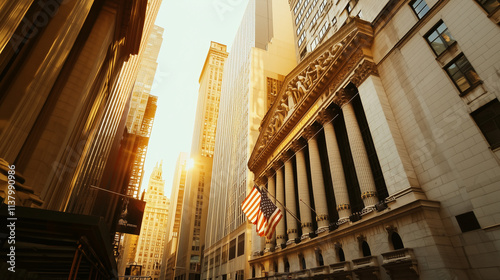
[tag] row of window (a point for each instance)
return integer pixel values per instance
(461, 72)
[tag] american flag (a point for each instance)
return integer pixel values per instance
(269, 216)
(251, 205)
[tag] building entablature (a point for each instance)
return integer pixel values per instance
(344, 58)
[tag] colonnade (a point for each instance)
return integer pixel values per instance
(281, 182)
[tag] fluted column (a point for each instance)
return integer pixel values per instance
(303, 187)
(291, 204)
(318, 184)
(280, 196)
(359, 155)
(336, 168)
(271, 188)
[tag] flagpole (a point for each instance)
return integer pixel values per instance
(308, 206)
(295, 217)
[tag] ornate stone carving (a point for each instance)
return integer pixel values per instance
(361, 238)
(390, 229)
(298, 145)
(325, 116)
(270, 172)
(334, 63)
(343, 206)
(364, 70)
(277, 165)
(286, 155)
(311, 131)
(341, 97)
(320, 218)
(368, 194)
(304, 225)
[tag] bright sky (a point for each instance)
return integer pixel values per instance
(189, 26)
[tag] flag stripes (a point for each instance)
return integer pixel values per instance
(262, 212)
(251, 205)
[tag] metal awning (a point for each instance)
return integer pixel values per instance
(56, 245)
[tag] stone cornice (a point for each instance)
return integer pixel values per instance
(321, 73)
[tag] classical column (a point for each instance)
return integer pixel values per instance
(359, 155)
(318, 184)
(303, 187)
(335, 162)
(271, 188)
(395, 161)
(291, 204)
(280, 196)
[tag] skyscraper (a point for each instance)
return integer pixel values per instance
(174, 217)
(262, 54)
(195, 203)
(143, 108)
(382, 143)
(154, 226)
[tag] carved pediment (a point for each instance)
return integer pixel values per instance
(319, 73)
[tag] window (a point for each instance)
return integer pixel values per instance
(314, 43)
(296, 8)
(301, 26)
(487, 119)
(341, 255)
(232, 249)
(468, 222)
(439, 38)
(366, 249)
(419, 7)
(462, 73)
(302, 262)
(489, 5)
(301, 39)
(241, 244)
(315, 18)
(323, 30)
(396, 241)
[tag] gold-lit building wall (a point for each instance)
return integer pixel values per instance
(144, 81)
(142, 110)
(60, 142)
(152, 239)
(174, 216)
(195, 203)
(262, 54)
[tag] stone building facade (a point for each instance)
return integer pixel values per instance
(383, 143)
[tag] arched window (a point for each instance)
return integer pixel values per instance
(321, 262)
(341, 255)
(366, 249)
(287, 266)
(302, 262)
(396, 241)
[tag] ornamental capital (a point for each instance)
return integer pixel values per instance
(341, 97)
(363, 71)
(270, 172)
(311, 131)
(285, 156)
(298, 145)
